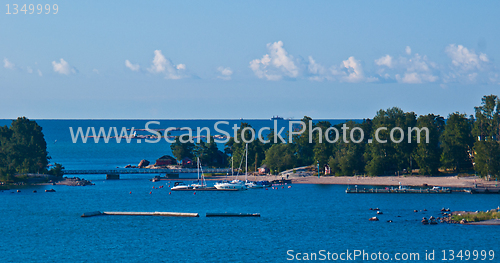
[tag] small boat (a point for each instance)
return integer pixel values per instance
(276, 118)
(181, 185)
(235, 184)
(50, 191)
(200, 184)
(155, 179)
(425, 221)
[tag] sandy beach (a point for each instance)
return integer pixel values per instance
(445, 181)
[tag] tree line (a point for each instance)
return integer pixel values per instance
(23, 150)
(457, 144)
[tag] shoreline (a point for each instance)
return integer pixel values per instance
(415, 181)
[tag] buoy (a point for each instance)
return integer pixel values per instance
(289, 186)
(169, 193)
(168, 186)
(130, 192)
(153, 187)
(282, 187)
(194, 193)
(149, 192)
(266, 188)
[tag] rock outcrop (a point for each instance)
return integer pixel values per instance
(143, 163)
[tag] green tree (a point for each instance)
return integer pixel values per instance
(209, 153)
(23, 149)
(29, 151)
(428, 154)
(322, 150)
(390, 157)
(302, 147)
(280, 157)
(57, 170)
(347, 158)
(236, 147)
(182, 150)
(457, 142)
(486, 131)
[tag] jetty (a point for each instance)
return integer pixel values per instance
(485, 190)
(396, 191)
(203, 189)
(147, 171)
(232, 215)
(98, 213)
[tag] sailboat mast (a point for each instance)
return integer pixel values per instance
(246, 162)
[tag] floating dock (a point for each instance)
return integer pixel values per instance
(98, 213)
(486, 190)
(232, 215)
(397, 191)
(203, 189)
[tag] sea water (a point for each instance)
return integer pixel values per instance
(47, 227)
(305, 219)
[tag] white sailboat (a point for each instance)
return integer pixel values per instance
(249, 184)
(234, 184)
(202, 183)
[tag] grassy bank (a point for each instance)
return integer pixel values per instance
(477, 217)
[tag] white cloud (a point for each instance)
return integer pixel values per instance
(133, 67)
(415, 77)
(40, 73)
(466, 59)
(29, 69)
(316, 71)
(469, 67)
(384, 61)
(8, 64)
(411, 69)
(63, 67)
(225, 72)
(164, 65)
(408, 50)
(275, 65)
(354, 70)
(95, 71)
(159, 62)
(350, 70)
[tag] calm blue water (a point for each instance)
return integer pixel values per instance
(47, 227)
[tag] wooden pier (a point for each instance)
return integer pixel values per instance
(397, 191)
(98, 213)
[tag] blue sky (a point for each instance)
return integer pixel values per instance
(255, 59)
